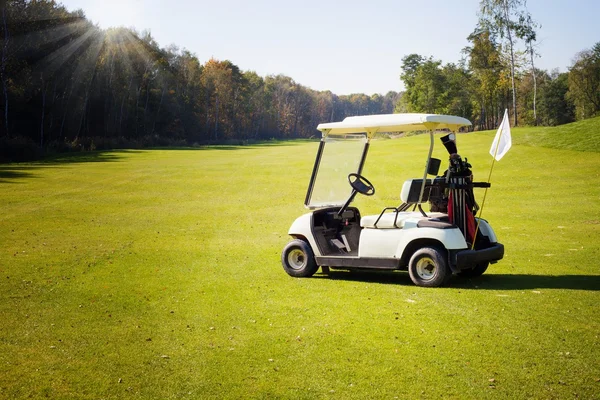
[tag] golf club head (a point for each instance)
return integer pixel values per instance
(449, 142)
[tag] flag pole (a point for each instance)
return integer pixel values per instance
(489, 179)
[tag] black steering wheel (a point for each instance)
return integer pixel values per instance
(361, 184)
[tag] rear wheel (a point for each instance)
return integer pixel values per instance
(474, 272)
(428, 267)
(298, 259)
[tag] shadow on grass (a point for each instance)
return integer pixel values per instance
(14, 172)
(8, 173)
(522, 282)
(86, 157)
(485, 282)
(246, 146)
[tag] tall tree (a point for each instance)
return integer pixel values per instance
(459, 88)
(485, 61)
(526, 30)
(252, 105)
(424, 82)
(504, 18)
(222, 81)
(3, 65)
(555, 108)
(584, 82)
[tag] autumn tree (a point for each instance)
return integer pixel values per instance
(526, 30)
(217, 79)
(485, 62)
(584, 82)
(505, 18)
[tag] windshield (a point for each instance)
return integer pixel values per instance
(341, 155)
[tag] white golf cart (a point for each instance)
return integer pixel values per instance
(430, 245)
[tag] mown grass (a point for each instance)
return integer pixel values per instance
(581, 136)
(156, 274)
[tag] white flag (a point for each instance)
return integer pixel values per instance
(502, 141)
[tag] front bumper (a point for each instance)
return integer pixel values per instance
(464, 259)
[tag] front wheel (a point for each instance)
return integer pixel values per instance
(474, 272)
(428, 267)
(298, 259)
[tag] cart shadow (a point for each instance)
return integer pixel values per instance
(485, 282)
(522, 282)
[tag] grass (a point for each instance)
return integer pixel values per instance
(581, 136)
(156, 274)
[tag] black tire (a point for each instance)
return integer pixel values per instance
(474, 272)
(428, 267)
(298, 259)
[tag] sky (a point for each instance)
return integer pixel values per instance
(343, 46)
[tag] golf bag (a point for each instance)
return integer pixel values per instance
(461, 206)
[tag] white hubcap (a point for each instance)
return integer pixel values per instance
(426, 268)
(296, 259)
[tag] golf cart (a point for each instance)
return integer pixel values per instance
(431, 245)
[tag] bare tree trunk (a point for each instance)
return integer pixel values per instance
(332, 108)
(207, 105)
(261, 123)
(107, 102)
(482, 117)
(126, 95)
(158, 111)
(147, 68)
(66, 107)
(43, 112)
(296, 112)
(85, 106)
(512, 63)
(146, 105)
(52, 106)
(216, 116)
(3, 76)
(534, 85)
(83, 112)
(137, 103)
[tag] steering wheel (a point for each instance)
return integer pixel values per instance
(361, 184)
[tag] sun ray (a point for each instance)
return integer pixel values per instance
(87, 63)
(54, 61)
(47, 36)
(150, 64)
(120, 45)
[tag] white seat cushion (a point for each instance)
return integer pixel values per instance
(387, 219)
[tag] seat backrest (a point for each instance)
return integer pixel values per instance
(411, 190)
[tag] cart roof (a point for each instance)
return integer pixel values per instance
(371, 124)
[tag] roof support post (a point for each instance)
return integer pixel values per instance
(427, 164)
(370, 134)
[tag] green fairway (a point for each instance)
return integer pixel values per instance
(156, 274)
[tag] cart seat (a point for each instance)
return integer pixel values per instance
(387, 220)
(411, 189)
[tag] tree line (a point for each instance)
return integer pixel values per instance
(68, 85)
(479, 88)
(495, 74)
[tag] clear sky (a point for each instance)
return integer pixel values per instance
(344, 46)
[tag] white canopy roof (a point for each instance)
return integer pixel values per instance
(372, 124)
